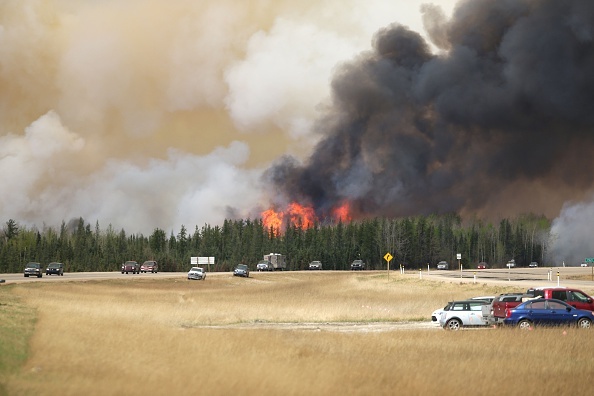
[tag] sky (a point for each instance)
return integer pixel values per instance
(149, 114)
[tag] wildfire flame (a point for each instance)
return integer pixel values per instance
(273, 220)
(301, 216)
(343, 212)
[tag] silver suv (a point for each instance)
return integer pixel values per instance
(315, 265)
(33, 269)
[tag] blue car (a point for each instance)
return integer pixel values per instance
(547, 312)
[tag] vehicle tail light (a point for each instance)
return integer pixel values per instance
(507, 312)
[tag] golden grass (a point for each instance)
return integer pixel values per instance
(153, 337)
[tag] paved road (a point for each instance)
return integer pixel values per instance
(83, 276)
(517, 276)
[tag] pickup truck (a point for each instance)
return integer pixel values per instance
(574, 297)
(495, 312)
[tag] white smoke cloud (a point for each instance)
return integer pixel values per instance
(151, 113)
(571, 234)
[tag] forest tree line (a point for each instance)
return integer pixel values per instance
(415, 242)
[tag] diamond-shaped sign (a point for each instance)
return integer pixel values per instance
(388, 257)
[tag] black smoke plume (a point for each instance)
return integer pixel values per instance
(508, 103)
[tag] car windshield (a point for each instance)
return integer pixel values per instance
(54, 265)
(33, 265)
(242, 266)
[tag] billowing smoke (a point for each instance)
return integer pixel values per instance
(500, 121)
(571, 234)
(155, 113)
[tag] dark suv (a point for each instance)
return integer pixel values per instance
(131, 266)
(55, 269)
(33, 269)
(357, 265)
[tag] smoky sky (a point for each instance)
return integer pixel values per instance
(145, 114)
(500, 119)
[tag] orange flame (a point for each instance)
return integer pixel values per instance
(343, 213)
(300, 216)
(273, 220)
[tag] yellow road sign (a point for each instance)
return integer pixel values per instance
(388, 257)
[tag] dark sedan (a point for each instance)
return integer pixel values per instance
(547, 312)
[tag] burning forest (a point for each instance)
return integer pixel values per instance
(491, 124)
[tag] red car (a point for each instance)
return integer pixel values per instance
(481, 265)
(149, 266)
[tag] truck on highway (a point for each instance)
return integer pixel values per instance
(276, 261)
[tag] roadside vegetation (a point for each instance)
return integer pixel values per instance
(414, 242)
(17, 322)
(174, 336)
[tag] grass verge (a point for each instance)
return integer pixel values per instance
(17, 322)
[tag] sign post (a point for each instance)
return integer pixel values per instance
(459, 257)
(388, 257)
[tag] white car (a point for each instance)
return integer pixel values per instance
(197, 273)
(436, 315)
(458, 314)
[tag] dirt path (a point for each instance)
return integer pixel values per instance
(337, 327)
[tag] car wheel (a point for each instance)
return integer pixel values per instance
(453, 324)
(26, 276)
(584, 323)
(525, 325)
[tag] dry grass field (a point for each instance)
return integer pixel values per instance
(221, 337)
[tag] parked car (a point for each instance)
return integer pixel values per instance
(241, 270)
(264, 266)
(583, 264)
(197, 273)
(547, 312)
(481, 265)
(436, 315)
(357, 265)
(533, 264)
(33, 269)
(458, 314)
(55, 269)
(131, 266)
(149, 266)
(315, 265)
(443, 265)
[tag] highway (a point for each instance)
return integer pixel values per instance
(516, 276)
